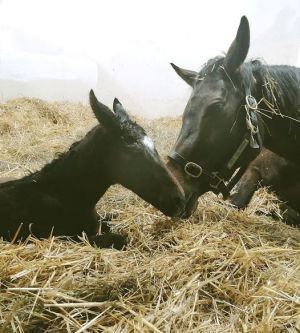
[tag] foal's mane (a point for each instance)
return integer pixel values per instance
(63, 160)
(66, 159)
(100, 140)
(276, 86)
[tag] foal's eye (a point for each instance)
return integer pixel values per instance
(216, 107)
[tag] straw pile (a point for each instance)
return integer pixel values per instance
(220, 271)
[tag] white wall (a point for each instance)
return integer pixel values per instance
(59, 49)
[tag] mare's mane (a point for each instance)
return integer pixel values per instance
(277, 86)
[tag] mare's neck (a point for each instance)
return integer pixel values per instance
(281, 89)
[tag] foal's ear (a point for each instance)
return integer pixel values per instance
(238, 50)
(187, 75)
(104, 115)
(120, 112)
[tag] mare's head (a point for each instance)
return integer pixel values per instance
(133, 161)
(214, 120)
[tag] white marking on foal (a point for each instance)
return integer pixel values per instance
(148, 143)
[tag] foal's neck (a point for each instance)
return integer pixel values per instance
(80, 174)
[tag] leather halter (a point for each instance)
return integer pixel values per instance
(251, 141)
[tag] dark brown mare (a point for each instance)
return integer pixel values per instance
(235, 108)
(282, 176)
(60, 199)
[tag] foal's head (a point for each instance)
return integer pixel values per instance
(133, 160)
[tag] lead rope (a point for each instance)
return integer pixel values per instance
(251, 119)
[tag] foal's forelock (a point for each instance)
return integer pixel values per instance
(148, 143)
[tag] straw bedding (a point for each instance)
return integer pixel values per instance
(220, 271)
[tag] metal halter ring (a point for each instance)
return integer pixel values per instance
(190, 167)
(219, 180)
(251, 102)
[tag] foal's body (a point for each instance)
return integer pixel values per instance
(61, 197)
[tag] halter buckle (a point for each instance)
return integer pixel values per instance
(193, 169)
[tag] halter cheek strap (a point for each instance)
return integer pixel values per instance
(251, 141)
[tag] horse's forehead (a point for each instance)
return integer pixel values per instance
(213, 82)
(140, 134)
(142, 138)
(210, 87)
(148, 143)
(134, 131)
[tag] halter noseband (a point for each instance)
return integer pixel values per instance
(251, 141)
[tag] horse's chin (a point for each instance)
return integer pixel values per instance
(191, 205)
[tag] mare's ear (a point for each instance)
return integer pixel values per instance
(238, 50)
(104, 115)
(120, 112)
(187, 75)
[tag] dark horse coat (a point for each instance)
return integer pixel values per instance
(235, 108)
(276, 172)
(60, 199)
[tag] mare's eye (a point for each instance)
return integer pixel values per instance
(216, 107)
